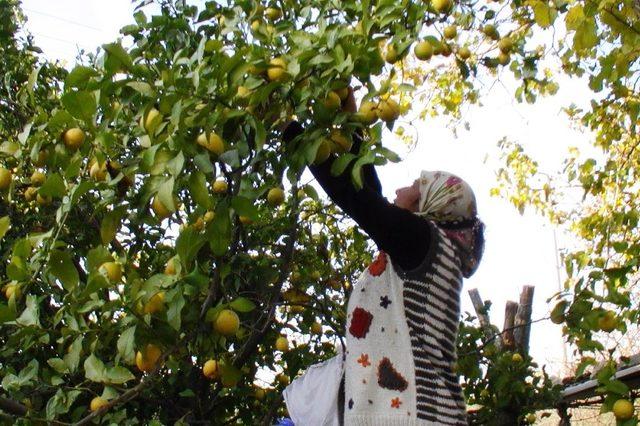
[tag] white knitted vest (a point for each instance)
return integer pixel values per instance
(401, 330)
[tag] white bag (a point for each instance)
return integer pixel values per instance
(312, 399)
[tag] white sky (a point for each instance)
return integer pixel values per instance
(519, 249)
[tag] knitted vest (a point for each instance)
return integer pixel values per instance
(401, 334)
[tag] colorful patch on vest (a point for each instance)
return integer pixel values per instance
(389, 378)
(379, 265)
(360, 323)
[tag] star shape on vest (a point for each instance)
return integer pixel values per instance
(395, 403)
(364, 360)
(384, 301)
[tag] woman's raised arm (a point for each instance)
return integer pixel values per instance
(404, 236)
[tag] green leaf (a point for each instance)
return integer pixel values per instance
(198, 189)
(616, 386)
(72, 358)
(389, 155)
(230, 374)
(244, 207)
(203, 163)
(61, 266)
(156, 282)
(242, 304)
(187, 393)
(94, 369)
(117, 56)
(13, 383)
(79, 76)
(219, 231)
(340, 164)
(31, 314)
(574, 17)
(165, 193)
(118, 375)
(5, 224)
(54, 186)
(175, 165)
(126, 345)
(96, 257)
(58, 365)
(7, 313)
(585, 37)
(110, 225)
(356, 172)
(33, 77)
(143, 88)
(82, 105)
(176, 302)
(60, 403)
(188, 244)
(543, 14)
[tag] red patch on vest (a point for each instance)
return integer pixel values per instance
(379, 265)
(360, 323)
(389, 378)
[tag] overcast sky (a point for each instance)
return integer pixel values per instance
(519, 251)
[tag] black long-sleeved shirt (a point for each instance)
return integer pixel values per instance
(404, 236)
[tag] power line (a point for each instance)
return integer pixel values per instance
(63, 19)
(73, 43)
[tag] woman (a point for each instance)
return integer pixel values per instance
(402, 315)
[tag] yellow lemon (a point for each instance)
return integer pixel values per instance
(111, 270)
(211, 369)
(37, 178)
(5, 178)
(213, 143)
(623, 409)
(220, 186)
(161, 211)
(147, 359)
(450, 32)
(277, 70)
(155, 303)
(423, 50)
(73, 138)
(282, 344)
(97, 403)
(227, 323)
(388, 110)
(367, 112)
(275, 196)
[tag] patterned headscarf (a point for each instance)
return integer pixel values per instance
(449, 201)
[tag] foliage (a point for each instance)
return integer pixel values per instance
(502, 384)
(602, 268)
(129, 238)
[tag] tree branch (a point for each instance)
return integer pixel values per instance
(12, 407)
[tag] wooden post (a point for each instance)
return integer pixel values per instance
(523, 319)
(478, 305)
(510, 310)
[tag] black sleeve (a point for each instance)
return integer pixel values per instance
(404, 236)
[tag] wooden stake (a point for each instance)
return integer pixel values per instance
(478, 305)
(510, 310)
(523, 319)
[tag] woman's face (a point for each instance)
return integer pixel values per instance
(408, 197)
